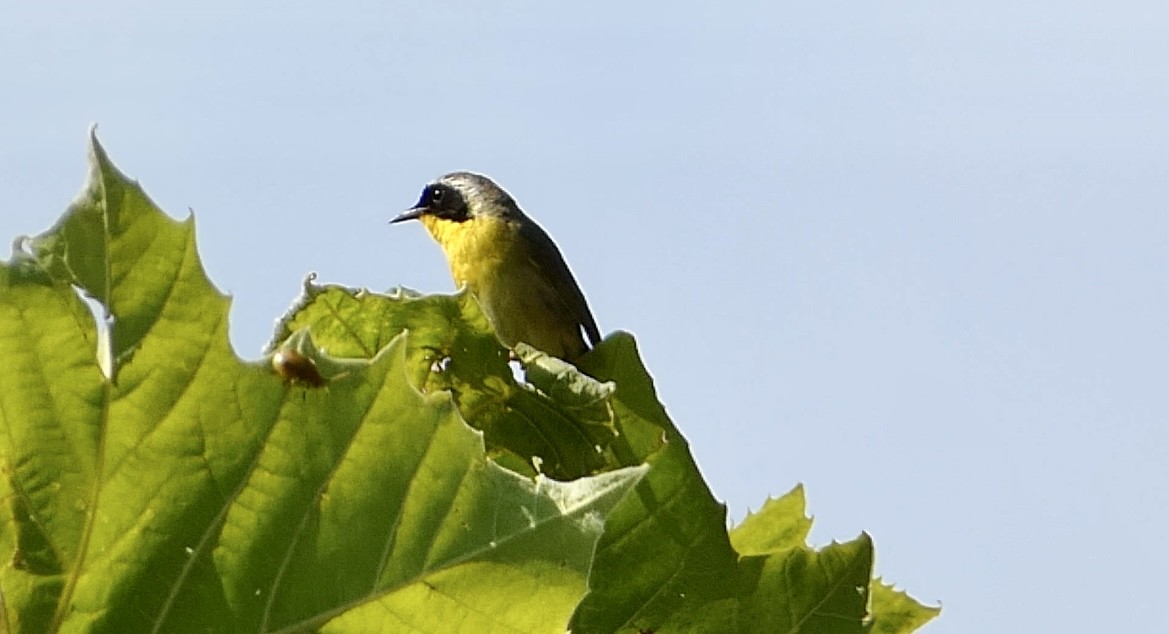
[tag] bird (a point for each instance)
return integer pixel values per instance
(508, 262)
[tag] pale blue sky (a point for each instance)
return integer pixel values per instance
(914, 255)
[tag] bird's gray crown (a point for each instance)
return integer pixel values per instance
(481, 193)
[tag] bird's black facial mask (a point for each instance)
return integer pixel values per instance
(439, 200)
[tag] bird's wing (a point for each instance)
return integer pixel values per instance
(547, 259)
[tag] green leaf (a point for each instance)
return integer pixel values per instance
(780, 524)
(793, 590)
(802, 590)
(895, 612)
(563, 432)
(200, 493)
(382, 469)
(115, 245)
(665, 546)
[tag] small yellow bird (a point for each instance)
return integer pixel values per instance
(508, 262)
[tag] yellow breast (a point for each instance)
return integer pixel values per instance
(475, 248)
(488, 256)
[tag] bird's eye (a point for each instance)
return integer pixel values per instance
(436, 194)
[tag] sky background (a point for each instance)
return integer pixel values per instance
(914, 255)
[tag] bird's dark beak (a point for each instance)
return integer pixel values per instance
(410, 214)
